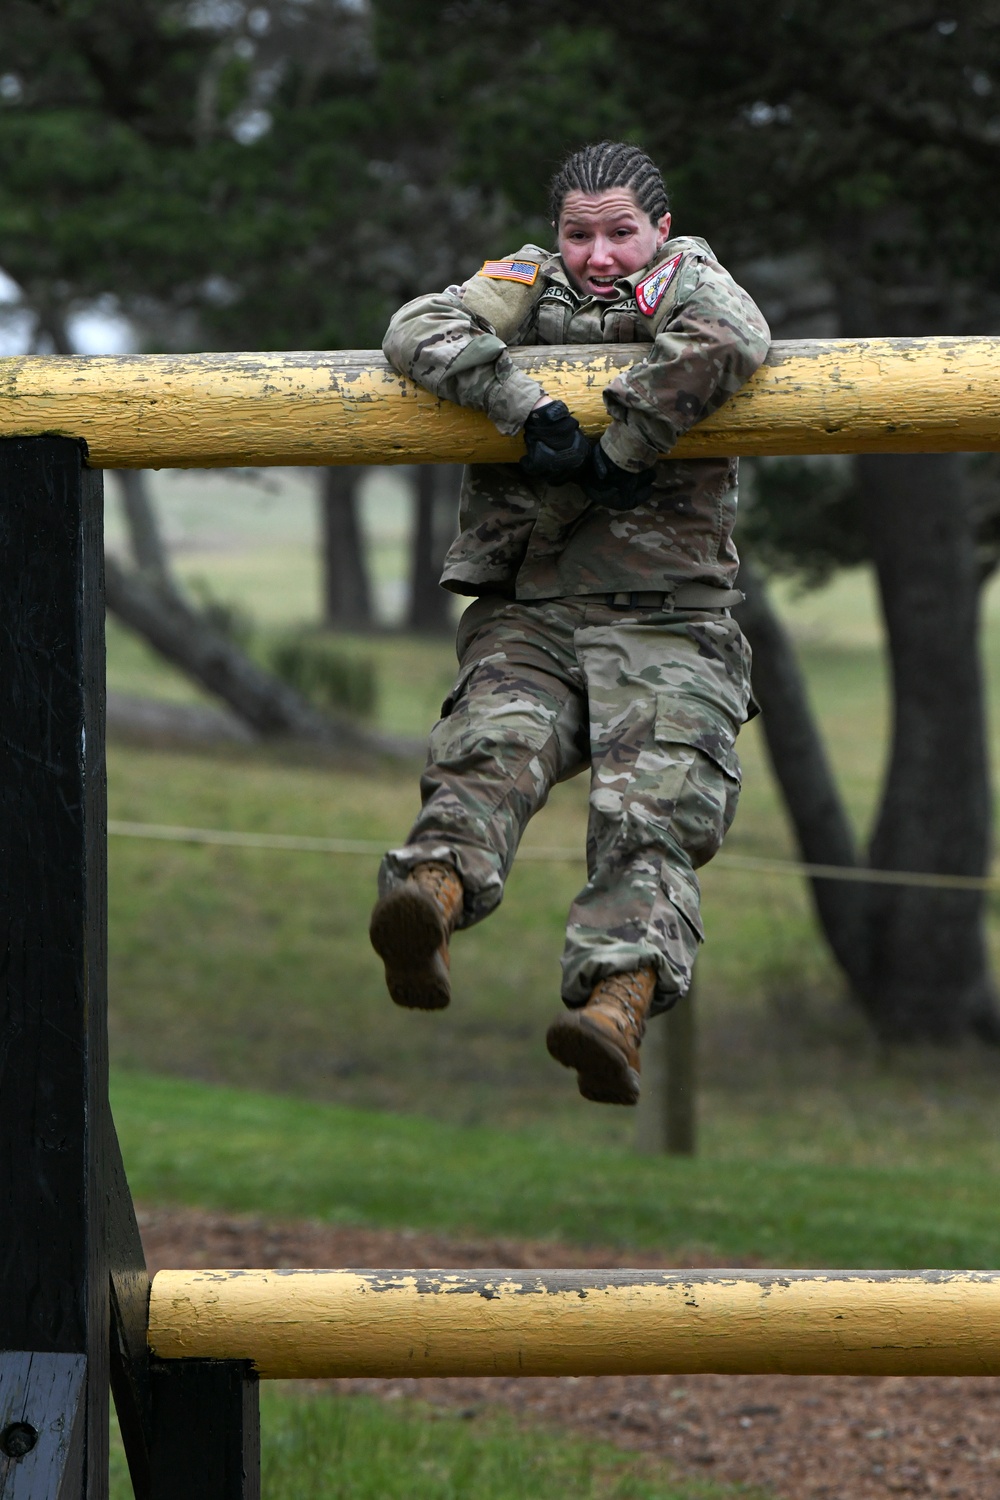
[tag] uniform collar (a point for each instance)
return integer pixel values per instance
(554, 270)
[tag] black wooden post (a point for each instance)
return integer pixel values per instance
(74, 1292)
(206, 1430)
(129, 1289)
(53, 1050)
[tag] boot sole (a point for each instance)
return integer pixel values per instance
(407, 933)
(605, 1075)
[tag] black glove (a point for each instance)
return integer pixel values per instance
(556, 448)
(605, 483)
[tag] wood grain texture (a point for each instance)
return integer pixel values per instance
(129, 1306)
(348, 407)
(206, 1431)
(53, 922)
(314, 1324)
(42, 1403)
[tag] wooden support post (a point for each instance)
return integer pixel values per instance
(206, 1430)
(129, 1290)
(74, 1292)
(666, 1120)
(41, 1425)
(53, 1050)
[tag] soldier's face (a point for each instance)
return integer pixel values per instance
(603, 236)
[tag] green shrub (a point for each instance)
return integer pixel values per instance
(327, 677)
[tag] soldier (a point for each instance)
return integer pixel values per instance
(601, 632)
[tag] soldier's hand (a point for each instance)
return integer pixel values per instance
(556, 448)
(605, 483)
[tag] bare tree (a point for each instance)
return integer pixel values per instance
(148, 551)
(347, 600)
(914, 956)
(148, 599)
(803, 772)
(435, 506)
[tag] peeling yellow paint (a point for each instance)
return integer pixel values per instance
(210, 410)
(315, 1324)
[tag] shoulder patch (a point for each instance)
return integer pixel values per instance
(510, 270)
(649, 292)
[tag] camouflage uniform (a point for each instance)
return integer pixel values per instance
(602, 637)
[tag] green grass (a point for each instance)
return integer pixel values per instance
(252, 967)
(188, 1143)
(323, 1447)
(318, 1447)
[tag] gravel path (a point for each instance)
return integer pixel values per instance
(815, 1438)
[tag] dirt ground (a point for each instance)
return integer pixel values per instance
(816, 1438)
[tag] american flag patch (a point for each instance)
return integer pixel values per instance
(510, 270)
(649, 292)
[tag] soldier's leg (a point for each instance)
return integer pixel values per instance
(667, 697)
(514, 724)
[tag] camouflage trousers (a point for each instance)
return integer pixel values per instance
(652, 702)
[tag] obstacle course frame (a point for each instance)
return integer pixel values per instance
(76, 1310)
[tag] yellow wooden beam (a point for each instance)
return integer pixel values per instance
(314, 1324)
(211, 410)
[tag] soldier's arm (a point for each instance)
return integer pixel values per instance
(708, 346)
(454, 344)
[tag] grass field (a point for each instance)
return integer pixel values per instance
(315, 1447)
(263, 1153)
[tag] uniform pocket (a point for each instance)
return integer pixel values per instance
(684, 719)
(701, 737)
(493, 713)
(461, 681)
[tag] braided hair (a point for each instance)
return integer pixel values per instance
(610, 164)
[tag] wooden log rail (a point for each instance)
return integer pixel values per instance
(316, 1324)
(211, 410)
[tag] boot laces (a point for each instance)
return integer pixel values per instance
(440, 883)
(626, 1013)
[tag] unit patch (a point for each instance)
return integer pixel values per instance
(649, 292)
(510, 270)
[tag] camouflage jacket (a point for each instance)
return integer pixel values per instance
(529, 540)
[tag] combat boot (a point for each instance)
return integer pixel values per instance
(601, 1039)
(410, 928)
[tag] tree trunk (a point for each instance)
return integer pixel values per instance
(928, 970)
(915, 957)
(928, 973)
(434, 497)
(803, 772)
(148, 551)
(180, 634)
(346, 590)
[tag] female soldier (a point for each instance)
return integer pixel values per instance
(601, 633)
